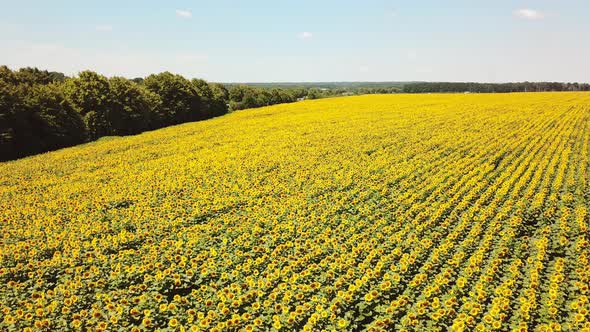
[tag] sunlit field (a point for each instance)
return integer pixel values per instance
(384, 212)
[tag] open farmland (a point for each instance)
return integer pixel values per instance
(416, 212)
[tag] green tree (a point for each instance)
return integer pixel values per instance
(243, 96)
(203, 90)
(220, 100)
(180, 101)
(32, 76)
(7, 76)
(133, 108)
(9, 104)
(35, 119)
(54, 122)
(90, 95)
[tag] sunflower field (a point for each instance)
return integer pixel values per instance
(368, 213)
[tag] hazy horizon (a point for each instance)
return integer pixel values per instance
(304, 42)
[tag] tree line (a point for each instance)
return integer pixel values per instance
(43, 111)
(460, 87)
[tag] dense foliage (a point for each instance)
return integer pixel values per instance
(35, 117)
(42, 111)
(244, 96)
(378, 213)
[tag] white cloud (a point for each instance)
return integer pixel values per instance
(182, 13)
(305, 35)
(529, 14)
(104, 28)
(364, 69)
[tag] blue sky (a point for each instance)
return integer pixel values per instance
(262, 41)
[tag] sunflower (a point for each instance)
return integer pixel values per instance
(173, 322)
(342, 323)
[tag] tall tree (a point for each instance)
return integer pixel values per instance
(32, 76)
(90, 95)
(180, 101)
(10, 103)
(220, 102)
(133, 107)
(54, 122)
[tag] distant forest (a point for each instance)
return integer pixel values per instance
(42, 110)
(433, 87)
(427, 87)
